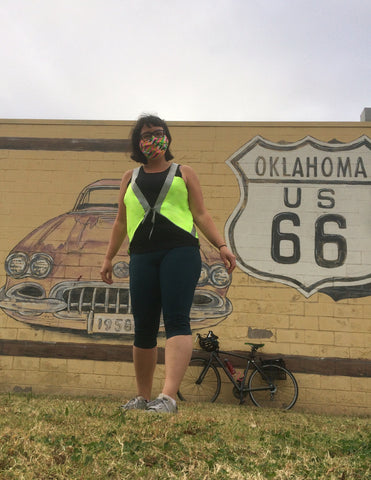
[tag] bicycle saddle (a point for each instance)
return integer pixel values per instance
(255, 346)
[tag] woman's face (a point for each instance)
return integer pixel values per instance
(153, 141)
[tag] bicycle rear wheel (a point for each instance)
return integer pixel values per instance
(283, 393)
(208, 388)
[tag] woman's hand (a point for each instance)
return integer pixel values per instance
(228, 258)
(106, 271)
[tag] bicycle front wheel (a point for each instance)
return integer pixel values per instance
(200, 383)
(280, 387)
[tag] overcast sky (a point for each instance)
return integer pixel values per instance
(223, 60)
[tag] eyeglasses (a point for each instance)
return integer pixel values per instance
(148, 135)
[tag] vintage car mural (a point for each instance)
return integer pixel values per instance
(53, 278)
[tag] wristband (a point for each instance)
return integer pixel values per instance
(223, 245)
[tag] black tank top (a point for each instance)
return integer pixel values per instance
(163, 234)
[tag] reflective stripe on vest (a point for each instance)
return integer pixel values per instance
(139, 207)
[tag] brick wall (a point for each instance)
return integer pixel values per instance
(44, 166)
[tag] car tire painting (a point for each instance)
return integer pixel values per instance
(53, 278)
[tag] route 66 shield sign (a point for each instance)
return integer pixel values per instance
(303, 218)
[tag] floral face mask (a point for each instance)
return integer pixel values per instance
(154, 147)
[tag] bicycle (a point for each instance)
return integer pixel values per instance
(270, 383)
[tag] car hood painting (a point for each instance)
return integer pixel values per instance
(53, 278)
(70, 233)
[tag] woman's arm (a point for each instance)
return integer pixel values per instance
(118, 233)
(203, 218)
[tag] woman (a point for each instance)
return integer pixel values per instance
(158, 207)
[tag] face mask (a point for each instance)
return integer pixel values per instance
(155, 147)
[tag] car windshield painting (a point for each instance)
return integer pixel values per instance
(53, 274)
(98, 197)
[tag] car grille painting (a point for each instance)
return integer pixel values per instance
(99, 299)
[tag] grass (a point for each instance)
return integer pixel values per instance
(44, 437)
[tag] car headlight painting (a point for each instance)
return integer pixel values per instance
(219, 276)
(121, 270)
(19, 265)
(215, 275)
(40, 265)
(16, 264)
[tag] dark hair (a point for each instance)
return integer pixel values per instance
(149, 121)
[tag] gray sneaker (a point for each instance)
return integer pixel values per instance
(136, 403)
(162, 404)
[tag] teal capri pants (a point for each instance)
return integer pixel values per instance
(163, 280)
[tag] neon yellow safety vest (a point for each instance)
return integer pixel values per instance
(172, 203)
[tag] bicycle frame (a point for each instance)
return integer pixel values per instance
(214, 357)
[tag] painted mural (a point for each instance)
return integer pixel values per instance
(303, 218)
(53, 278)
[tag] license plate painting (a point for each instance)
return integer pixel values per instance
(111, 324)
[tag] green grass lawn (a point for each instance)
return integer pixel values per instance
(44, 437)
